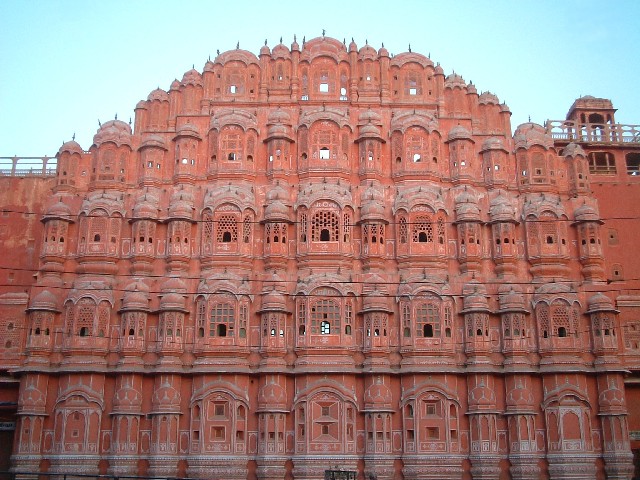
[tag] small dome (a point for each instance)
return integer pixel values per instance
(146, 207)
(172, 301)
(192, 77)
(573, 150)
(587, 213)
(613, 399)
(174, 284)
(281, 51)
(295, 46)
(71, 147)
(600, 303)
(520, 396)
(264, 50)
(115, 131)
(272, 397)
(376, 301)
(369, 131)
(367, 52)
(181, 205)
(501, 210)
(45, 300)
(277, 211)
(187, 130)
(438, 70)
(383, 52)
(459, 133)
(378, 396)
(511, 300)
(481, 396)
(454, 80)
(208, 67)
(467, 207)
(59, 210)
(278, 131)
(504, 108)
(352, 46)
(471, 88)
(136, 297)
(492, 143)
(273, 301)
(529, 134)
(475, 298)
(175, 85)
(158, 94)
(153, 141)
(488, 98)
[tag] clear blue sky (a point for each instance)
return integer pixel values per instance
(65, 64)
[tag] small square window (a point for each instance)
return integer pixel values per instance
(413, 91)
(324, 88)
(233, 89)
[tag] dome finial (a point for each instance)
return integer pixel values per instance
(116, 116)
(265, 42)
(409, 48)
(323, 32)
(73, 137)
(99, 124)
(238, 45)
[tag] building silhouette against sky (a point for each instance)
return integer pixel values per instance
(325, 256)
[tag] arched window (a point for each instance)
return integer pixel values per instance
(325, 226)
(325, 315)
(222, 319)
(227, 229)
(423, 229)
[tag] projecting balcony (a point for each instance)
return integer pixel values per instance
(606, 134)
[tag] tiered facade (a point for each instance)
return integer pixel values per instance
(322, 257)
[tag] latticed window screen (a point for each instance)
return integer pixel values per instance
(231, 146)
(98, 231)
(246, 229)
(548, 227)
(303, 227)
(422, 229)
(201, 315)
(428, 320)
(402, 223)
(324, 226)
(227, 229)
(346, 227)
(325, 316)
(222, 320)
(406, 319)
(85, 315)
(560, 319)
(207, 231)
(542, 312)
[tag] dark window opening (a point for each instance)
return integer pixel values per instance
(562, 332)
(226, 237)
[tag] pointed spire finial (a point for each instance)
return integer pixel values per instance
(116, 117)
(99, 124)
(529, 118)
(304, 40)
(218, 51)
(238, 45)
(129, 121)
(265, 42)
(280, 38)
(409, 48)
(323, 31)
(73, 137)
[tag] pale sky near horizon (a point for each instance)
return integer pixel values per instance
(66, 64)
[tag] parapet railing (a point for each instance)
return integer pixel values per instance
(28, 166)
(608, 133)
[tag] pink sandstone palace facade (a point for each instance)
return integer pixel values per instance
(325, 257)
